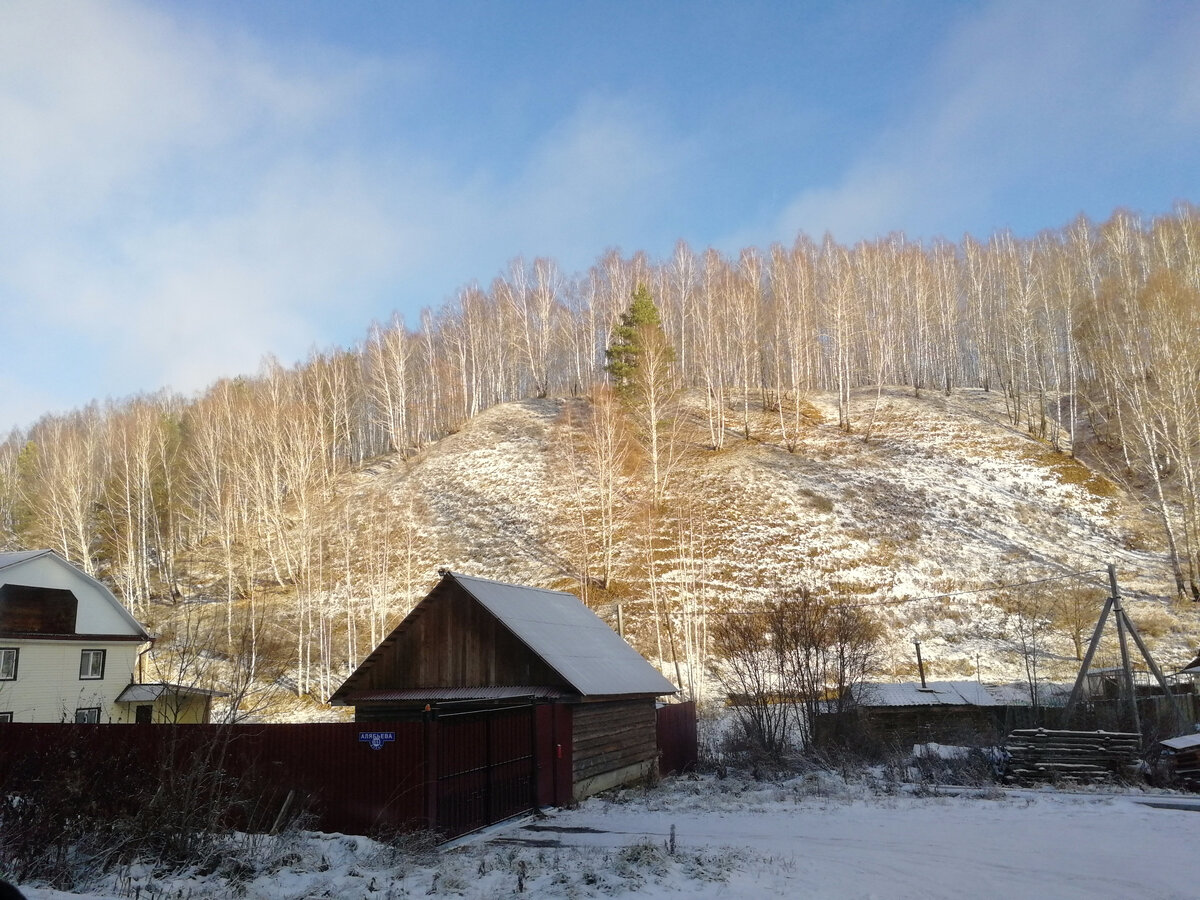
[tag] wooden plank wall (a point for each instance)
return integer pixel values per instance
(26, 609)
(613, 735)
(452, 641)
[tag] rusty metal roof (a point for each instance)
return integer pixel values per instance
(569, 637)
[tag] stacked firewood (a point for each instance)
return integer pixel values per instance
(1038, 754)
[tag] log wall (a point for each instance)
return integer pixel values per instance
(614, 743)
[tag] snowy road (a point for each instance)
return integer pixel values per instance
(736, 839)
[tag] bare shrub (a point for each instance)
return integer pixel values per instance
(84, 804)
(797, 657)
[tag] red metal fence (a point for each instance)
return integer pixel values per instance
(453, 772)
(676, 726)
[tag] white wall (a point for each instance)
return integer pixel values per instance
(48, 687)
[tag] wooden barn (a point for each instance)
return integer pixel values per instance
(474, 644)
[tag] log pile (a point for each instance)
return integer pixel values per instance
(1187, 770)
(1180, 758)
(1038, 754)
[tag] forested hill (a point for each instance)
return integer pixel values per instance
(943, 497)
(309, 505)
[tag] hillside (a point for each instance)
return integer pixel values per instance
(944, 498)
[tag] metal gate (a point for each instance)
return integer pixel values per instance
(486, 767)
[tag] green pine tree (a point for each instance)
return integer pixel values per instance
(638, 326)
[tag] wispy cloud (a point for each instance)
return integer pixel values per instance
(159, 225)
(1019, 95)
(180, 201)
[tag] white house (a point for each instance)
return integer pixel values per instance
(69, 650)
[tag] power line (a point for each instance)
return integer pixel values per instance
(900, 601)
(988, 590)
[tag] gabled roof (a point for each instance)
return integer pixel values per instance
(569, 638)
(10, 559)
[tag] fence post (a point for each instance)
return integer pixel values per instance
(431, 769)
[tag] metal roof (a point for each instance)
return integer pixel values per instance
(148, 693)
(503, 692)
(12, 557)
(936, 693)
(1192, 668)
(1017, 693)
(569, 637)
(1182, 743)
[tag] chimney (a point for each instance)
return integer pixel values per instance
(920, 665)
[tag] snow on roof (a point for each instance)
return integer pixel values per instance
(569, 637)
(148, 693)
(936, 693)
(1182, 743)
(1017, 693)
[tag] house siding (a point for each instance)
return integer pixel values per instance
(48, 687)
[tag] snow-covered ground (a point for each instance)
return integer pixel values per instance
(813, 836)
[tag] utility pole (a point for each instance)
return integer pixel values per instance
(1126, 668)
(1125, 627)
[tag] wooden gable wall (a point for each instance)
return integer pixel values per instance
(450, 640)
(31, 609)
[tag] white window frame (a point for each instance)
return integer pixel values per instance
(8, 670)
(87, 664)
(5, 717)
(87, 715)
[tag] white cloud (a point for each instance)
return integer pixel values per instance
(178, 201)
(160, 223)
(609, 168)
(96, 95)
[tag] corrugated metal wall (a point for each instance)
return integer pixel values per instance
(455, 773)
(677, 743)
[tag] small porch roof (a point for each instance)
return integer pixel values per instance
(148, 693)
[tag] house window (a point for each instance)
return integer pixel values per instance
(87, 715)
(91, 664)
(8, 663)
(5, 717)
(143, 715)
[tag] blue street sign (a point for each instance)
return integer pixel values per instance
(376, 738)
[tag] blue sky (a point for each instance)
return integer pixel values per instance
(186, 187)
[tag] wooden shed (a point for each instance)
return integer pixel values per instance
(947, 712)
(473, 643)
